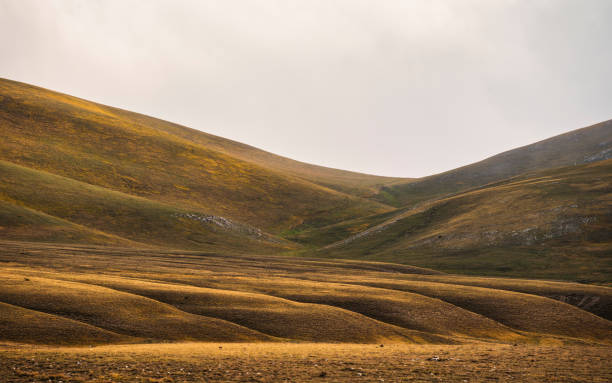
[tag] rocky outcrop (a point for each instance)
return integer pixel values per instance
(229, 225)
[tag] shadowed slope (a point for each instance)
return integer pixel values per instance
(586, 145)
(553, 224)
(117, 311)
(517, 310)
(137, 292)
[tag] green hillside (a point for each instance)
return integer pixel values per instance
(550, 224)
(43, 206)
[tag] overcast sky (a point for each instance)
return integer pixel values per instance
(402, 88)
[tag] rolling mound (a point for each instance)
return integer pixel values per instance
(118, 312)
(267, 314)
(156, 295)
(594, 299)
(29, 326)
(516, 310)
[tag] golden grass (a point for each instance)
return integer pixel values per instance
(29, 326)
(553, 224)
(116, 311)
(97, 215)
(150, 158)
(156, 295)
(266, 362)
(516, 310)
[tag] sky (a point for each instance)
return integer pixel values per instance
(397, 88)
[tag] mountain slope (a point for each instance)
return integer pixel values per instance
(590, 144)
(358, 184)
(554, 224)
(58, 209)
(129, 153)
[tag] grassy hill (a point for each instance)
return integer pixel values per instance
(163, 162)
(51, 208)
(121, 233)
(582, 146)
(359, 184)
(80, 172)
(549, 224)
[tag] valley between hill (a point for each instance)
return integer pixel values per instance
(120, 233)
(74, 171)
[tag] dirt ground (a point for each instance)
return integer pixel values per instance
(263, 362)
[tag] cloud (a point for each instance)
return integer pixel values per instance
(404, 88)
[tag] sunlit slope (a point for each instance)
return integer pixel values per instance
(553, 224)
(175, 296)
(520, 311)
(594, 299)
(264, 313)
(586, 145)
(41, 206)
(118, 312)
(126, 152)
(295, 308)
(359, 184)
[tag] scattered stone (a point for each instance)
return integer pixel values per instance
(436, 358)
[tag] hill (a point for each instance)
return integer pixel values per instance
(80, 172)
(165, 163)
(549, 224)
(75, 211)
(582, 146)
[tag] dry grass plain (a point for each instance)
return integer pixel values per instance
(265, 362)
(75, 313)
